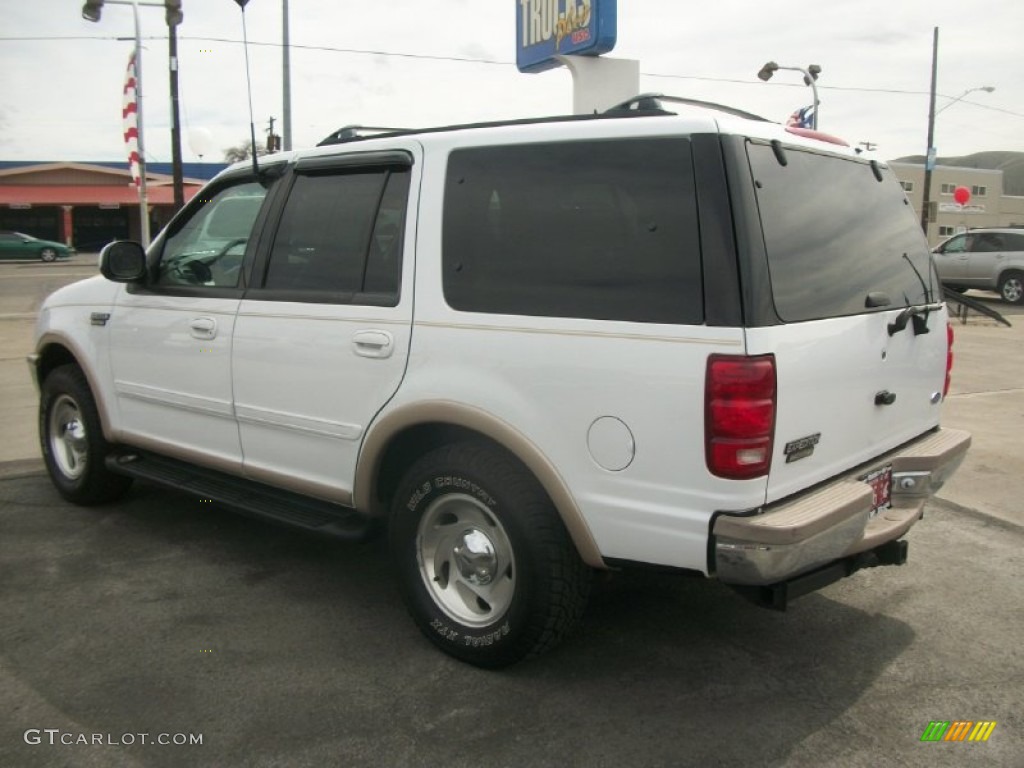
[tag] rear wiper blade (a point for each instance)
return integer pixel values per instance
(920, 316)
(924, 285)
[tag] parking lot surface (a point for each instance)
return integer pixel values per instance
(163, 617)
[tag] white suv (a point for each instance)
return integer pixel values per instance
(529, 350)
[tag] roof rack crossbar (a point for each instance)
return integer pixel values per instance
(652, 102)
(355, 132)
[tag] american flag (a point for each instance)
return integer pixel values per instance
(130, 115)
(802, 118)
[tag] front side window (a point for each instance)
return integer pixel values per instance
(208, 248)
(603, 230)
(834, 234)
(956, 245)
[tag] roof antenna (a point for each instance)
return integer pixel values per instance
(248, 85)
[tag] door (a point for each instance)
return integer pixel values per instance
(322, 337)
(951, 260)
(171, 340)
(987, 252)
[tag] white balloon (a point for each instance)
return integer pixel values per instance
(200, 141)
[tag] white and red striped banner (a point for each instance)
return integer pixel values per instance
(130, 115)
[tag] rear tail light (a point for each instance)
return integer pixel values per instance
(739, 415)
(949, 359)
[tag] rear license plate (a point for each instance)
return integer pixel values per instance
(880, 481)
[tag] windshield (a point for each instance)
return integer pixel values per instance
(834, 234)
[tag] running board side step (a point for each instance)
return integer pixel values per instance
(777, 596)
(247, 496)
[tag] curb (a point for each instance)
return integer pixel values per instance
(9, 470)
(977, 514)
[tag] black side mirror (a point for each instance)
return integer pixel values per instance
(123, 261)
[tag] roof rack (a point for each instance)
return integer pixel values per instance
(644, 105)
(652, 102)
(356, 132)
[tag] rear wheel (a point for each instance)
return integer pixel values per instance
(486, 567)
(72, 441)
(48, 254)
(1011, 287)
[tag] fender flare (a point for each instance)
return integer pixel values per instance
(384, 430)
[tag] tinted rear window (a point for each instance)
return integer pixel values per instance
(834, 234)
(594, 229)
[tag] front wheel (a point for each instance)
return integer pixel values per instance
(72, 441)
(48, 254)
(1011, 287)
(485, 565)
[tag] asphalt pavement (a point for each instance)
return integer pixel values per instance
(164, 618)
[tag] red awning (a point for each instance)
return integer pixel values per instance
(40, 194)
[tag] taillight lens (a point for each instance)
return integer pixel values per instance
(739, 415)
(949, 359)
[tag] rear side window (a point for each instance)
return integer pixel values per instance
(835, 234)
(340, 237)
(598, 229)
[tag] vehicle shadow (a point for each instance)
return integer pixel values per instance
(164, 613)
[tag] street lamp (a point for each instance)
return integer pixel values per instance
(985, 88)
(91, 11)
(810, 77)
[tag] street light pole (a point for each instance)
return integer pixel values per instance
(929, 162)
(91, 11)
(810, 78)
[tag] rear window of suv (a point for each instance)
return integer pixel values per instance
(604, 230)
(834, 234)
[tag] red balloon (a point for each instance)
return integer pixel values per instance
(962, 195)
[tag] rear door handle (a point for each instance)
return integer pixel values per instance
(376, 344)
(885, 397)
(203, 327)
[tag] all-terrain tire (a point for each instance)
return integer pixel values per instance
(71, 438)
(486, 567)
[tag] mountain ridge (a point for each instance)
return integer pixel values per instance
(1010, 163)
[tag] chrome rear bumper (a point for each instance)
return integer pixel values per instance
(834, 521)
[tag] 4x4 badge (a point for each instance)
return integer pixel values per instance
(801, 448)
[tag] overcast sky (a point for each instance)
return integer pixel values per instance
(430, 62)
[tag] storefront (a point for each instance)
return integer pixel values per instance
(85, 205)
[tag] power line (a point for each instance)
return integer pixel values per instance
(494, 62)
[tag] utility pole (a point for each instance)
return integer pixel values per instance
(176, 170)
(287, 84)
(929, 162)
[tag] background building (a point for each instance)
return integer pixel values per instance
(996, 199)
(86, 205)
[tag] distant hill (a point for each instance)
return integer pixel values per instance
(1010, 163)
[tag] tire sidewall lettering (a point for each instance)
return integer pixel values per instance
(467, 639)
(448, 482)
